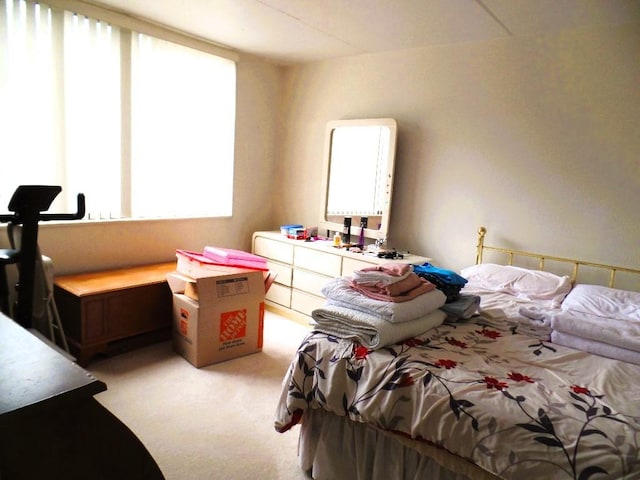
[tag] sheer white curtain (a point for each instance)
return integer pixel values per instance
(29, 74)
(182, 141)
(142, 126)
(92, 106)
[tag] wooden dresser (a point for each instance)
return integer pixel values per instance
(115, 310)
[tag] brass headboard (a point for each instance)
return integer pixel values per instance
(511, 253)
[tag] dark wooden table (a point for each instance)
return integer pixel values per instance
(51, 426)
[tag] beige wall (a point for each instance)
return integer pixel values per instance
(536, 138)
(86, 246)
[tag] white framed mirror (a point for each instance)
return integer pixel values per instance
(359, 161)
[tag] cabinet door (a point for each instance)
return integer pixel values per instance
(350, 265)
(138, 310)
(274, 250)
(94, 319)
(315, 261)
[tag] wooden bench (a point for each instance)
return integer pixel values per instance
(116, 310)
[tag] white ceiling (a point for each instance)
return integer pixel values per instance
(292, 31)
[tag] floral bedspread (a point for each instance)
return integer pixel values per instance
(512, 404)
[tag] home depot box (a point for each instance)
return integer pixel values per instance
(217, 316)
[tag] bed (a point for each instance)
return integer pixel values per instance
(490, 396)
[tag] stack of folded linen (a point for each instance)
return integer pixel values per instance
(391, 282)
(379, 306)
(600, 320)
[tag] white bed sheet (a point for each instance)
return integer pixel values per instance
(505, 311)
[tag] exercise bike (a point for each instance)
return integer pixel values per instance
(28, 204)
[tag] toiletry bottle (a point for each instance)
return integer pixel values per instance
(346, 232)
(364, 221)
(336, 240)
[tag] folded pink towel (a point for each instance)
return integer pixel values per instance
(403, 285)
(384, 274)
(402, 291)
(396, 269)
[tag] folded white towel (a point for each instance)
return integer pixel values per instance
(338, 292)
(619, 333)
(593, 346)
(541, 333)
(535, 313)
(516, 315)
(368, 330)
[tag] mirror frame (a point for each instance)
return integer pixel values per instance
(326, 222)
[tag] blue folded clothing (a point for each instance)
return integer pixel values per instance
(448, 276)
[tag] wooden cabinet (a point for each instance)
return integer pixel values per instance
(103, 312)
(304, 268)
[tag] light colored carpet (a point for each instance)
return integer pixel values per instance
(215, 422)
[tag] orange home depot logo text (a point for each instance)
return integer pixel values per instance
(233, 325)
(184, 322)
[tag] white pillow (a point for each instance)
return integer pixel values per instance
(603, 302)
(518, 281)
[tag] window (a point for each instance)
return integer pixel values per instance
(144, 127)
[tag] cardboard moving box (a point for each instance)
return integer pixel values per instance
(194, 264)
(217, 315)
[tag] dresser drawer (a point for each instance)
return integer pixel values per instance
(284, 273)
(272, 249)
(305, 302)
(350, 265)
(279, 294)
(315, 261)
(309, 281)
